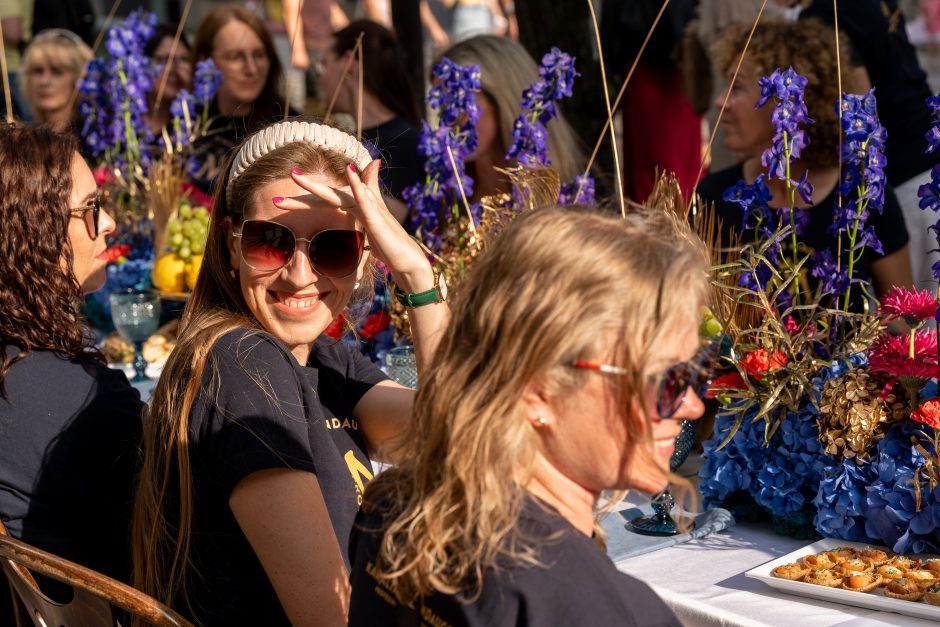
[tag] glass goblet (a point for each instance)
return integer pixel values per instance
(660, 523)
(402, 368)
(136, 316)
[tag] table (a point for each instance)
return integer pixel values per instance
(703, 582)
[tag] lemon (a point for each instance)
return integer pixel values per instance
(192, 271)
(168, 273)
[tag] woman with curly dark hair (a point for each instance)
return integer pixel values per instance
(808, 48)
(70, 425)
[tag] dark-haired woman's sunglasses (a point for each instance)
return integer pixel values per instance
(93, 208)
(695, 374)
(268, 246)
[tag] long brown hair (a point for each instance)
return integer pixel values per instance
(161, 525)
(386, 71)
(39, 294)
(270, 102)
(555, 287)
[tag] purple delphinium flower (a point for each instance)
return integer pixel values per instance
(579, 192)
(929, 193)
(753, 200)
(863, 176)
(206, 80)
(455, 115)
(833, 279)
(530, 136)
(113, 93)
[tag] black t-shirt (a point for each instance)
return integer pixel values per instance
(900, 83)
(258, 409)
(397, 141)
(71, 434)
(889, 225)
(577, 584)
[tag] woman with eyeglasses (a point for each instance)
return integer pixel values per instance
(251, 92)
(70, 425)
(52, 64)
(259, 438)
(543, 395)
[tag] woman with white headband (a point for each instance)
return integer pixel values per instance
(258, 440)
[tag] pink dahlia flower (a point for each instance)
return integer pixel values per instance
(891, 354)
(912, 305)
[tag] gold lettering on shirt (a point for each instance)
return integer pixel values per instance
(358, 470)
(345, 423)
(386, 594)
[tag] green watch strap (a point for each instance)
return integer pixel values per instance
(427, 297)
(437, 294)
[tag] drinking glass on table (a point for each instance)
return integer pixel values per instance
(136, 316)
(402, 367)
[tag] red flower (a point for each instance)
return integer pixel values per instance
(759, 362)
(928, 413)
(375, 324)
(117, 251)
(336, 328)
(733, 381)
(196, 195)
(911, 305)
(102, 175)
(891, 355)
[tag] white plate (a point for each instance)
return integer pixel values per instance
(872, 600)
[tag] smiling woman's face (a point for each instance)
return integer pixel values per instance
(243, 60)
(593, 444)
(295, 303)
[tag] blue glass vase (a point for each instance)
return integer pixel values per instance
(660, 523)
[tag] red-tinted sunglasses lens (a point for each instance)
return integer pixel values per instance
(336, 253)
(269, 246)
(266, 246)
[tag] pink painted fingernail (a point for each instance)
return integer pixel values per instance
(352, 167)
(277, 200)
(296, 172)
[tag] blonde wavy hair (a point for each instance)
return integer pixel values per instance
(506, 70)
(555, 287)
(162, 524)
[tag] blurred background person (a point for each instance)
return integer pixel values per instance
(178, 68)
(251, 92)
(748, 131)
(53, 62)
(16, 17)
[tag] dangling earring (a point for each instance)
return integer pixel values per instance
(356, 286)
(232, 273)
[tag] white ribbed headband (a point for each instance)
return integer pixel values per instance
(283, 133)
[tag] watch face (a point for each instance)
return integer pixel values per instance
(442, 287)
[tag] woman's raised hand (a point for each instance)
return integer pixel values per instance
(390, 243)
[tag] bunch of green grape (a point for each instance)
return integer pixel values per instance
(186, 234)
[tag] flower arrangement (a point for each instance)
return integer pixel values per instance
(453, 229)
(142, 176)
(829, 415)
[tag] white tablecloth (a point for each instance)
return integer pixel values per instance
(703, 582)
